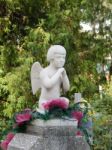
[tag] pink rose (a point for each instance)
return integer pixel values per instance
(10, 136)
(21, 118)
(4, 145)
(77, 115)
(61, 103)
(78, 133)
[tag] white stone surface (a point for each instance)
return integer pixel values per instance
(57, 134)
(52, 78)
(22, 142)
(55, 122)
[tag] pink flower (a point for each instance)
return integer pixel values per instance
(77, 115)
(10, 136)
(61, 103)
(5, 143)
(78, 133)
(21, 118)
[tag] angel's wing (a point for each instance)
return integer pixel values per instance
(35, 76)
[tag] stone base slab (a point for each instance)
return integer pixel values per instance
(23, 142)
(55, 134)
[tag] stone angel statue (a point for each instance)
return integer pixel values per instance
(52, 79)
(35, 77)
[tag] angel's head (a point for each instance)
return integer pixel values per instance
(56, 55)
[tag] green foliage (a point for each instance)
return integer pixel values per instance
(102, 132)
(102, 122)
(9, 56)
(21, 97)
(29, 27)
(85, 81)
(36, 43)
(103, 105)
(3, 89)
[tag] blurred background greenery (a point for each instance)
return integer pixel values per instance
(29, 27)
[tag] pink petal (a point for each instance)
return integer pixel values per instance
(61, 103)
(4, 145)
(78, 133)
(78, 115)
(46, 106)
(20, 118)
(10, 136)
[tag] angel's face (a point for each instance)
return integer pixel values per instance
(59, 60)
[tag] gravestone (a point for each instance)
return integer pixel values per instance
(54, 134)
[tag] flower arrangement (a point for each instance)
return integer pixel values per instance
(5, 143)
(61, 103)
(54, 108)
(22, 118)
(77, 115)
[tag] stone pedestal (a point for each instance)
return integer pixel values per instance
(55, 134)
(23, 142)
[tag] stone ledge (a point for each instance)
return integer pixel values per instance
(55, 127)
(55, 122)
(23, 142)
(30, 142)
(55, 134)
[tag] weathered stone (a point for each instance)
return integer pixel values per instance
(56, 127)
(55, 122)
(55, 134)
(23, 142)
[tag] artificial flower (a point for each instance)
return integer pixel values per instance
(78, 133)
(61, 103)
(21, 118)
(77, 115)
(4, 144)
(10, 136)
